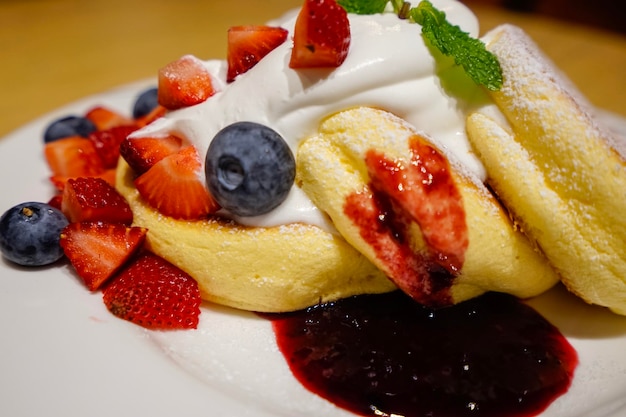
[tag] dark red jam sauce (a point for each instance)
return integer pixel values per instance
(385, 355)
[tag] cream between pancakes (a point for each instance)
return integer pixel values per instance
(388, 66)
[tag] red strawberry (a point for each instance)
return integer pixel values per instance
(157, 112)
(105, 118)
(107, 143)
(98, 249)
(248, 44)
(155, 294)
(321, 35)
(94, 199)
(56, 201)
(142, 153)
(73, 156)
(59, 181)
(174, 187)
(183, 83)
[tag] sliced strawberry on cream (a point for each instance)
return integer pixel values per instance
(97, 250)
(247, 45)
(183, 83)
(174, 186)
(321, 35)
(142, 153)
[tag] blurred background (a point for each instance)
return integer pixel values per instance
(53, 52)
(604, 14)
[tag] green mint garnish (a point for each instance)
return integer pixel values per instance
(481, 65)
(363, 6)
(470, 53)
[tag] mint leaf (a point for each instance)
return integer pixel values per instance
(363, 6)
(470, 53)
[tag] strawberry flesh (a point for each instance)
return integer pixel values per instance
(97, 250)
(94, 199)
(183, 83)
(175, 188)
(142, 153)
(105, 118)
(321, 35)
(73, 156)
(107, 143)
(155, 294)
(247, 45)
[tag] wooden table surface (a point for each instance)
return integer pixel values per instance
(53, 52)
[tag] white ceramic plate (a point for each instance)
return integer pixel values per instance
(63, 353)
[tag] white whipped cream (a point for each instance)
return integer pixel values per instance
(388, 66)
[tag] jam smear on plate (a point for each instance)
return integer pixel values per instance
(386, 355)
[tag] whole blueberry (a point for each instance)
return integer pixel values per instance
(30, 233)
(145, 102)
(249, 168)
(68, 126)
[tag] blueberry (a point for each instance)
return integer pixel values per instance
(68, 126)
(30, 232)
(145, 102)
(249, 168)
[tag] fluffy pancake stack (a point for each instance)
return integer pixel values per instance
(557, 212)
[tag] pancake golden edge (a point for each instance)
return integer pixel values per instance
(557, 172)
(272, 269)
(331, 166)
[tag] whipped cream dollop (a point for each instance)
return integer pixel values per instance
(389, 66)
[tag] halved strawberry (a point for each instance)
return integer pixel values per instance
(106, 118)
(107, 143)
(74, 156)
(98, 249)
(321, 35)
(155, 294)
(184, 82)
(142, 153)
(94, 199)
(174, 187)
(248, 44)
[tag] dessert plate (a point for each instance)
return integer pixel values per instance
(63, 353)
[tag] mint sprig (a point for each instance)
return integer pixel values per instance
(363, 6)
(470, 53)
(481, 65)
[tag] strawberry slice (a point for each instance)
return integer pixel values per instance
(59, 181)
(155, 294)
(107, 143)
(158, 112)
(142, 153)
(247, 45)
(97, 250)
(74, 156)
(175, 188)
(94, 199)
(105, 118)
(183, 83)
(321, 35)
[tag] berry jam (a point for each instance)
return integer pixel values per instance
(385, 355)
